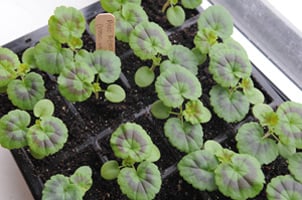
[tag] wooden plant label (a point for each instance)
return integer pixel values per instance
(105, 31)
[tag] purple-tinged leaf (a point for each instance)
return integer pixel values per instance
(295, 165)
(67, 25)
(290, 123)
(142, 183)
(217, 18)
(51, 57)
(175, 85)
(181, 55)
(47, 137)
(183, 135)
(75, 82)
(148, 39)
(131, 141)
(284, 188)
(27, 92)
(127, 18)
(232, 106)
(228, 65)
(82, 177)
(250, 140)
(13, 129)
(9, 62)
(197, 168)
(242, 178)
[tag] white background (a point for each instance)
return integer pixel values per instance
(19, 17)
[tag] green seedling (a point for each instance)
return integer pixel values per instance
(175, 10)
(24, 88)
(235, 91)
(148, 41)
(178, 91)
(67, 188)
(238, 176)
(47, 136)
(137, 176)
(277, 132)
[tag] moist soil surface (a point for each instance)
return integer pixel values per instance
(91, 122)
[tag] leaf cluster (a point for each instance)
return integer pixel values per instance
(80, 73)
(137, 176)
(238, 176)
(68, 188)
(45, 137)
(23, 87)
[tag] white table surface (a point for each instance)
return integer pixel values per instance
(27, 16)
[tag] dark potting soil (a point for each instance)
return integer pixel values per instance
(90, 124)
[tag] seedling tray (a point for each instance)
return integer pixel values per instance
(91, 123)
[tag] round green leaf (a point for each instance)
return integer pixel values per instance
(44, 108)
(82, 177)
(266, 115)
(27, 92)
(284, 188)
(286, 150)
(127, 18)
(295, 165)
(250, 140)
(212, 146)
(110, 170)
(9, 62)
(143, 183)
(159, 110)
(230, 106)
(181, 55)
(190, 4)
(176, 15)
(115, 93)
(144, 76)
(75, 82)
(28, 57)
(175, 85)
(148, 39)
(67, 25)
(183, 135)
(154, 155)
(59, 187)
(218, 19)
(13, 129)
(131, 141)
(197, 168)
(50, 57)
(228, 65)
(107, 65)
(290, 123)
(195, 112)
(240, 179)
(47, 137)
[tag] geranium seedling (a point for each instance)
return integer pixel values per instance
(24, 88)
(73, 187)
(238, 176)
(137, 176)
(284, 127)
(47, 136)
(116, 5)
(67, 25)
